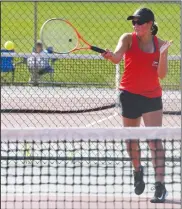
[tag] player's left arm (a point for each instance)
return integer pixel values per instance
(163, 61)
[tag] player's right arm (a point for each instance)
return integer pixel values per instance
(123, 45)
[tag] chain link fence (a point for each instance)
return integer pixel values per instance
(81, 88)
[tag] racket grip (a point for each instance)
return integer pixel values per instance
(96, 49)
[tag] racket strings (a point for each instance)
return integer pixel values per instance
(59, 35)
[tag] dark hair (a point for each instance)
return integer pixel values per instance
(154, 29)
(39, 44)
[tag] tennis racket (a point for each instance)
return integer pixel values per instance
(63, 37)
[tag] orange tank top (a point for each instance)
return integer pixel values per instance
(140, 71)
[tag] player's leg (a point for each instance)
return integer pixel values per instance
(154, 118)
(131, 118)
(133, 147)
(133, 150)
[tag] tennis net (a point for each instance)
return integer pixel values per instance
(78, 83)
(84, 168)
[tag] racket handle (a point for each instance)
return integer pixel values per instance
(96, 49)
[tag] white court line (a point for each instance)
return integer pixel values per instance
(101, 120)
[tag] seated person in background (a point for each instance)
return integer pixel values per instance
(38, 64)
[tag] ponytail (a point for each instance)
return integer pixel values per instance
(154, 29)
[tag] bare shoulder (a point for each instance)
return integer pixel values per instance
(126, 38)
(161, 42)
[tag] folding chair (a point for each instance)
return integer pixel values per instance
(7, 65)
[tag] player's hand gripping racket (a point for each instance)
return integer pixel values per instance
(63, 37)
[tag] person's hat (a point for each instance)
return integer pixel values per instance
(143, 14)
(39, 42)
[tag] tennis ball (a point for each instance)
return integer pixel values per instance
(9, 45)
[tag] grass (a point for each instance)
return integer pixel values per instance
(99, 23)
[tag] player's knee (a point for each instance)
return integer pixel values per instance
(132, 146)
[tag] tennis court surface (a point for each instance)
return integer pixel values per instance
(24, 106)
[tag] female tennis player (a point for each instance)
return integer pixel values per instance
(145, 58)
